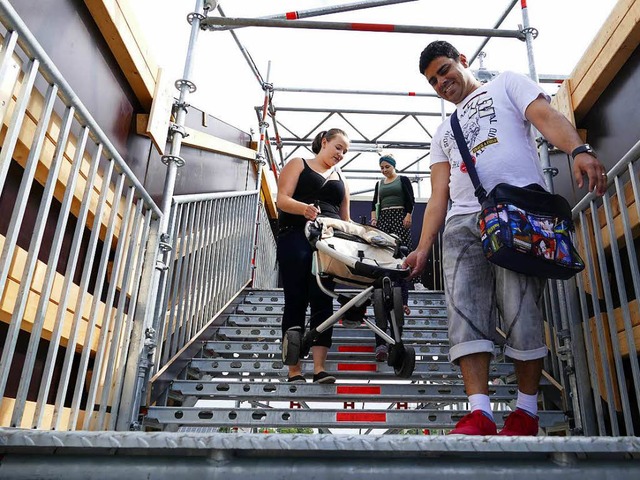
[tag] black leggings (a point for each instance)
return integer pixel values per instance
(300, 287)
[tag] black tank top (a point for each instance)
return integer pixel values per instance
(310, 189)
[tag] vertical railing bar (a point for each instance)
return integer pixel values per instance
(548, 315)
(597, 315)
(606, 287)
(27, 277)
(13, 230)
(186, 258)
(164, 335)
(117, 338)
(6, 54)
(119, 377)
(211, 247)
(93, 312)
(207, 264)
(165, 287)
(215, 263)
(200, 281)
(138, 354)
(258, 253)
(226, 274)
(193, 278)
(65, 373)
(633, 257)
(72, 261)
(591, 356)
(633, 261)
(124, 239)
(178, 287)
(15, 124)
(192, 266)
(556, 312)
(252, 236)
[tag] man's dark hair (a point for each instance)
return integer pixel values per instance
(439, 48)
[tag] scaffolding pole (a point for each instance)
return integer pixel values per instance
(355, 92)
(338, 110)
(315, 12)
(362, 27)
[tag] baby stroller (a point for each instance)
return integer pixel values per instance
(361, 256)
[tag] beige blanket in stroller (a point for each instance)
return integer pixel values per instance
(358, 258)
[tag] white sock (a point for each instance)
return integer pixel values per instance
(480, 401)
(528, 403)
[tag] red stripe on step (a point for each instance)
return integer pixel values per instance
(356, 348)
(360, 417)
(351, 390)
(357, 367)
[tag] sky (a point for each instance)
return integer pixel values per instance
(348, 60)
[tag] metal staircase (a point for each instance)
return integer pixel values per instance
(239, 382)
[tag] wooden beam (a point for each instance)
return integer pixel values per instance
(203, 141)
(121, 32)
(605, 56)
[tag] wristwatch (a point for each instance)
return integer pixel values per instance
(585, 148)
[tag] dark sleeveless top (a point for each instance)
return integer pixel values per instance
(310, 189)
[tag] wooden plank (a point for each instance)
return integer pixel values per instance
(607, 54)
(203, 141)
(121, 32)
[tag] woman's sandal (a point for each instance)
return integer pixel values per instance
(296, 379)
(323, 377)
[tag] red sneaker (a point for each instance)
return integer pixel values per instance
(520, 422)
(475, 423)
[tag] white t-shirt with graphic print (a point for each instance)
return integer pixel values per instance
(499, 138)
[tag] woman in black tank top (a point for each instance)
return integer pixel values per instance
(306, 189)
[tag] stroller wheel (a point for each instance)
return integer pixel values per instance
(379, 310)
(396, 355)
(408, 363)
(398, 307)
(291, 344)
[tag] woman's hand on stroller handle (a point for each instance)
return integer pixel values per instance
(311, 212)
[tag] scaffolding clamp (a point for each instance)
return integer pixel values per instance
(164, 245)
(260, 159)
(175, 128)
(167, 159)
(528, 31)
(181, 82)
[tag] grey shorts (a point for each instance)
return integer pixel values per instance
(482, 297)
